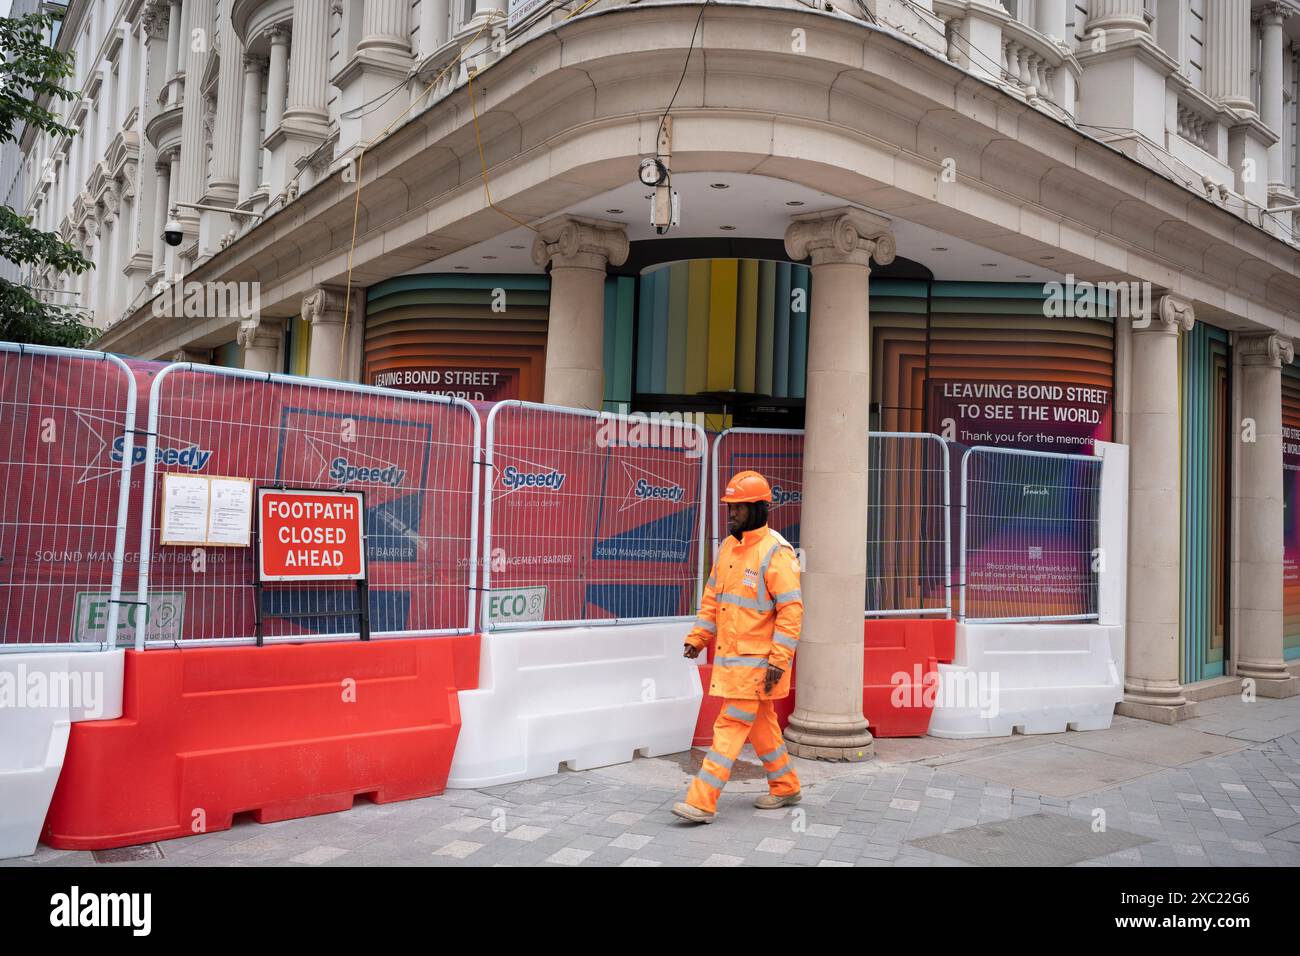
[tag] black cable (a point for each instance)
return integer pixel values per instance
(686, 66)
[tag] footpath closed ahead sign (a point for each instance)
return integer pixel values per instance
(310, 535)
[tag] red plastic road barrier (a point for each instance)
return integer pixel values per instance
(284, 731)
(891, 646)
(900, 660)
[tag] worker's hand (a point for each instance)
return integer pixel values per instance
(774, 675)
(691, 651)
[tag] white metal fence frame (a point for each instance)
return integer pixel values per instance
(115, 601)
(964, 519)
(489, 472)
(718, 479)
(147, 503)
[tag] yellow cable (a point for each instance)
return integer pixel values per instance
(356, 206)
(487, 191)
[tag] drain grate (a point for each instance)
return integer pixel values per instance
(1041, 839)
(129, 854)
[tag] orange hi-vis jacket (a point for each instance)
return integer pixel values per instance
(753, 606)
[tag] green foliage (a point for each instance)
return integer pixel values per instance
(30, 76)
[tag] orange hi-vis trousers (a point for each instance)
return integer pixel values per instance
(740, 719)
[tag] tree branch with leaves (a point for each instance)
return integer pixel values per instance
(31, 76)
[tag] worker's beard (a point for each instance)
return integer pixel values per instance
(756, 519)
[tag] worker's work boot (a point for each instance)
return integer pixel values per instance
(770, 801)
(694, 814)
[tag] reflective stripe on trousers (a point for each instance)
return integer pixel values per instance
(739, 720)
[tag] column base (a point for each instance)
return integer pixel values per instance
(1158, 713)
(817, 740)
(1279, 687)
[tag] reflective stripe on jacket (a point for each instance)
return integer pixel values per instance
(753, 605)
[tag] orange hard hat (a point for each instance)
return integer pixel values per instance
(747, 486)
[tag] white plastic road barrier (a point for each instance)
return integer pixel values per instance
(582, 696)
(1029, 679)
(41, 696)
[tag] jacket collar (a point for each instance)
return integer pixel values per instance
(751, 538)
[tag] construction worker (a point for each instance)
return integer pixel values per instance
(753, 607)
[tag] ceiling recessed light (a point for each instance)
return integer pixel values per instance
(938, 248)
(794, 202)
(616, 212)
(489, 257)
(517, 247)
(719, 186)
(727, 228)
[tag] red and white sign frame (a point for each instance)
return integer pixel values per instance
(357, 539)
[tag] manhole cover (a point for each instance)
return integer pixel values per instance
(129, 854)
(1042, 839)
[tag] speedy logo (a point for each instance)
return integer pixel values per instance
(191, 456)
(513, 478)
(785, 496)
(345, 473)
(648, 491)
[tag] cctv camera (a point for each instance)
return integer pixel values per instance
(172, 233)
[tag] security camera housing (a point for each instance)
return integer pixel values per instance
(173, 233)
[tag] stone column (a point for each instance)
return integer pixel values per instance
(1270, 90)
(261, 340)
(190, 186)
(1151, 686)
(323, 308)
(382, 61)
(489, 10)
(1050, 19)
(828, 722)
(307, 65)
(224, 184)
(174, 30)
(384, 28)
(163, 172)
(1117, 15)
(1227, 53)
(577, 250)
(1259, 489)
(250, 135)
(277, 78)
(433, 25)
(277, 87)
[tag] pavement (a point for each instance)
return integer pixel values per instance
(1222, 789)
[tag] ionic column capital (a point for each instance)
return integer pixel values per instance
(843, 235)
(840, 236)
(576, 242)
(1272, 14)
(323, 305)
(1267, 350)
(258, 333)
(1173, 315)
